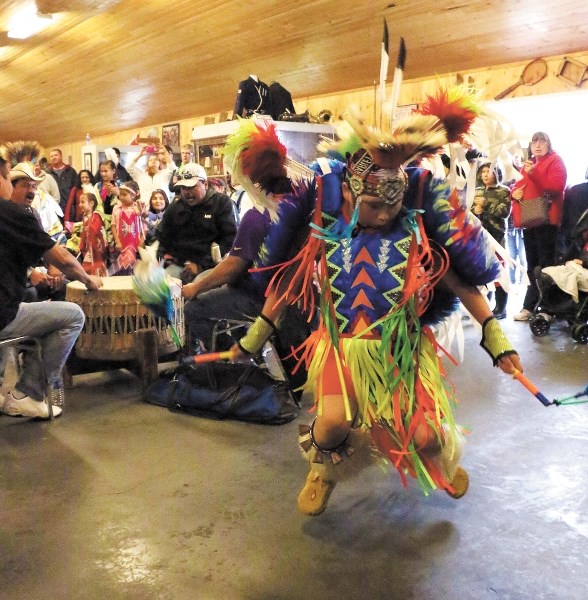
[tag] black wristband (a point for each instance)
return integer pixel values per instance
(269, 322)
(243, 349)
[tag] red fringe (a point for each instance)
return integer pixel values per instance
(298, 286)
(425, 267)
(398, 451)
(264, 159)
(456, 118)
(459, 215)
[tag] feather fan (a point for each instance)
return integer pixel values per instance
(152, 286)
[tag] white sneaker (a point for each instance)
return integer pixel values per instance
(524, 315)
(27, 407)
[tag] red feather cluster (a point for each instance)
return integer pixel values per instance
(455, 114)
(264, 158)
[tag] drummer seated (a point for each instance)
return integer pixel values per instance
(229, 292)
(56, 324)
(189, 227)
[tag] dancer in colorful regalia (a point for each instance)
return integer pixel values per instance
(389, 250)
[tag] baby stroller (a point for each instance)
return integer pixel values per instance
(554, 303)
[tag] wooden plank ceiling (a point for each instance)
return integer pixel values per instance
(109, 65)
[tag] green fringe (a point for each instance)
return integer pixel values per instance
(238, 141)
(327, 312)
(175, 337)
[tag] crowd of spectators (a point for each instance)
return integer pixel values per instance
(499, 206)
(59, 225)
(103, 219)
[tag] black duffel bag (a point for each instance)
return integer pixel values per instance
(225, 391)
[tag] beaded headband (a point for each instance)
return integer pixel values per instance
(365, 177)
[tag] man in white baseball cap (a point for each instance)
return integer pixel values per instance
(201, 217)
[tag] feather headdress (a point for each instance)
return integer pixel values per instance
(446, 117)
(456, 108)
(20, 151)
(258, 159)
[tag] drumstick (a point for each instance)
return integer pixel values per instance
(212, 356)
(531, 387)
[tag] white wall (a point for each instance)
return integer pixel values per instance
(564, 117)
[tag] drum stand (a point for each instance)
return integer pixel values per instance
(145, 366)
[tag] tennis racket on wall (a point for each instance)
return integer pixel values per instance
(532, 74)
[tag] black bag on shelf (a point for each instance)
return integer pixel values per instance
(225, 391)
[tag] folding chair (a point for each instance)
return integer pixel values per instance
(269, 356)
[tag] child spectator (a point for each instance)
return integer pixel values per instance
(157, 205)
(73, 212)
(92, 238)
(127, 230)
(107, 189)
(492, 206)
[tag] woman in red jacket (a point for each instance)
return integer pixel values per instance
(544, 173)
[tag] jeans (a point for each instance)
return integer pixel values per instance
(57, 325)
(516, 249)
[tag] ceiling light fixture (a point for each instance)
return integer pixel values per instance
(28, 22)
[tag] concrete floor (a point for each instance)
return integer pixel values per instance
(119, 499)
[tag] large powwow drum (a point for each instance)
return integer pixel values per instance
(114, 315)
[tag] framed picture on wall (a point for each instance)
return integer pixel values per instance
(88, 162)
(170, 135)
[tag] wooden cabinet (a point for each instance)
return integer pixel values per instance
(208, 153)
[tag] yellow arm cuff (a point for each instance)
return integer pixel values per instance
(257, 335)
(494, 341)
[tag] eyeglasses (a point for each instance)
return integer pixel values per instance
(189, 176)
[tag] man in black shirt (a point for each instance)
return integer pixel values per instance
(191, 225)
(58, 324)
